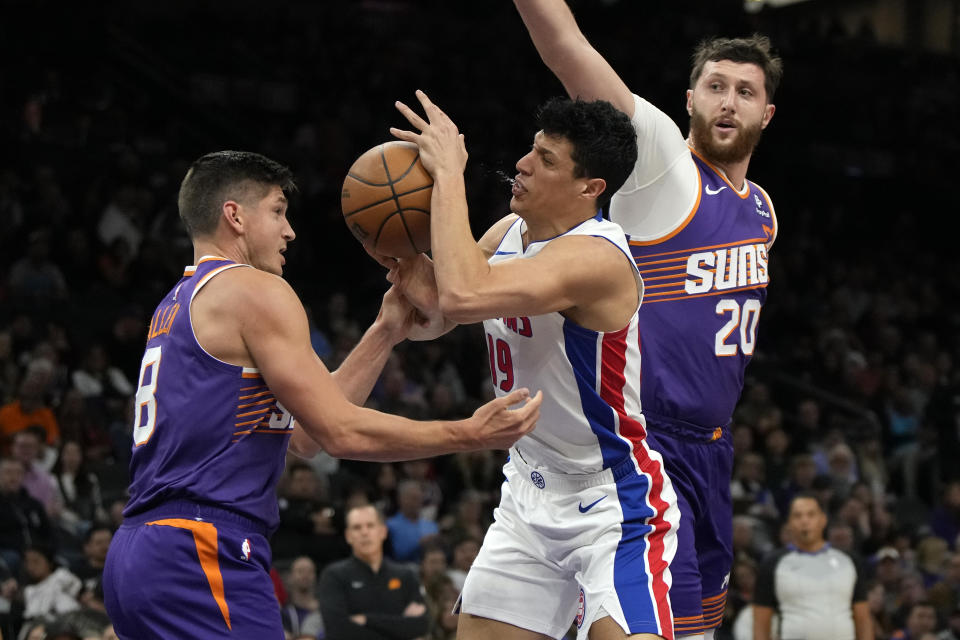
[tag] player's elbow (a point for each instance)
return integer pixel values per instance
(460, 306)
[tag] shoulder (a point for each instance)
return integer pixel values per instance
(495, 234)
(772, 559)
(337, 568)
(250, 293)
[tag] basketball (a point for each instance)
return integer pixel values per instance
(386, 200)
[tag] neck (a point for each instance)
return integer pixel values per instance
(811, 547)
(735, 171)
(211, 247)
(373, 561)
(539, 230)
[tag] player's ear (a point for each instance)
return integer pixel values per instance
(689, 102)
(768, 112)
(230, 212)
(594, 187)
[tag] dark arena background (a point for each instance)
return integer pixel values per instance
(854, 391)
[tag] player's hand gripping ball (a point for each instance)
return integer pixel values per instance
(386, 200)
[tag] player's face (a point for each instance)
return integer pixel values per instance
(269, 231)
(545, 182)
(365, 532)
(807, 522)
(728, 110)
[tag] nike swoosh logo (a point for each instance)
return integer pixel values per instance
(584, 509)
(711, 192)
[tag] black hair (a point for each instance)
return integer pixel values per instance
(226, 175)
(603, 139)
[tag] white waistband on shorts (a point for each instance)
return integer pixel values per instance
(564, 482)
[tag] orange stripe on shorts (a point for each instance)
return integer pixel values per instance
(205, 537)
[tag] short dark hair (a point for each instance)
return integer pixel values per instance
(808, 495)
(752, 50)
(380, 516)
(223, 175)
(603, 139)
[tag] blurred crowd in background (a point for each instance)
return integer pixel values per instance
(854, 392)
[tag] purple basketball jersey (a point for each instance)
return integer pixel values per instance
(205, 431)
(704, 287)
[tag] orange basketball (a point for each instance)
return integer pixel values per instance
(386, 200)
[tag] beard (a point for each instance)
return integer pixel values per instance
(740, 148)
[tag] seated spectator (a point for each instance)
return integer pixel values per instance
(409, 531)
(97, 379)
(469, 517)
(35, 278)
(29, 408)
(306, 520)
(921, 620)
(442, 598)
(433, 563)
(38, 482)
(945, 594)
(23, 520)
(89, 569)
(301, 614)
(52, 590)
(79, 490)
(464, 553)
(945, 517)
(368, 596)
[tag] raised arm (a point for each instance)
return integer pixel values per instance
(275, 332)
(566, 51)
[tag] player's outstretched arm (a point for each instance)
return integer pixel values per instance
(276, 334)
(568, 54)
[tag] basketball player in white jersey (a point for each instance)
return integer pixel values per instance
(585, 530)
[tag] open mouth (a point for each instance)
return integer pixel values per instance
(518, 189)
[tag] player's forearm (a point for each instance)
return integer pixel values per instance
(552, 29)
(365, 434)
(400, 627)
(459, 263)
(357, 374)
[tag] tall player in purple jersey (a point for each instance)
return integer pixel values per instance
(700, 233)
(228, 383)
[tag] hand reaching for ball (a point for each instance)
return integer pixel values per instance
(442, 148)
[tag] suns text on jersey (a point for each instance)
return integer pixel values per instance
(727, 268)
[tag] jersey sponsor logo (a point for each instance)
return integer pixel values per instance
(394, 584)
(581, 608)
(760, 209)
(584, 509)
(727, 268)
(245, 549)
(538, 480)
(520, 326)
(162, 320)
(712, 192)
(356, 584)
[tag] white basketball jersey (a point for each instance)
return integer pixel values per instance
(590, 418)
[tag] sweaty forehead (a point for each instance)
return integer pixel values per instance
(556, 145)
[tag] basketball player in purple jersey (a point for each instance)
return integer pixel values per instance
(700, 233)
(228, 383)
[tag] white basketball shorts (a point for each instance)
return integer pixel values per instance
(574, 548)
